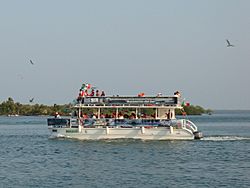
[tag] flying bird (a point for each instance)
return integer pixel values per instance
(229, 44)
(31, 62)
(31, 100)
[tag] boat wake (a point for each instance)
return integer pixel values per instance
(225, 138)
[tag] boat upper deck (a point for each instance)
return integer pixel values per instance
(129, 102)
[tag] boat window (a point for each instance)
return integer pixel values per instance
(58, 121)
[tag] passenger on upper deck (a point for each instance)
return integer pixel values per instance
(177, 93)
(102, 94)
(86, 93)
(81, 93)
(141, 94)
(97, 93)
(92, 92)
(159, 94)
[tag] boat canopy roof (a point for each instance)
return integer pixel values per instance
(129, 102)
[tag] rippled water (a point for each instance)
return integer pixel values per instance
(221, 159)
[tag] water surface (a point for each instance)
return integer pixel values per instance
(221, 159)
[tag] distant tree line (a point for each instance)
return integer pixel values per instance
(10, 107)
(193, 110)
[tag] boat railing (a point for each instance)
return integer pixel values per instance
(176, 124)
(59, 122)
(62, 122)
(189, 125)
(90, 122)
(127, 101)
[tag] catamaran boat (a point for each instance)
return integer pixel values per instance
(125, 117)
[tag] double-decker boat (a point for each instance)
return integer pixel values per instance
(125, 117)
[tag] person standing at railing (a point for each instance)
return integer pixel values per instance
(57, 115)
(102, 94)
(97, 93)
(92, 92)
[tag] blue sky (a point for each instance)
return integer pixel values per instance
(126, 47)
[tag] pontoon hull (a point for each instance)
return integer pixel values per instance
(145, 133)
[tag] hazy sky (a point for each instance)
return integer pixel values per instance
(126, 47)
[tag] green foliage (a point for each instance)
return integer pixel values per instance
(10, 107)
(194, 110)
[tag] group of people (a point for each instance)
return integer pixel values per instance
(94, 116)
(84, 93)
(121, 115)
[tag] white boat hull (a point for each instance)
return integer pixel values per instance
(144, 133)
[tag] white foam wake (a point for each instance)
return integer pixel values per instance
(225, 138)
